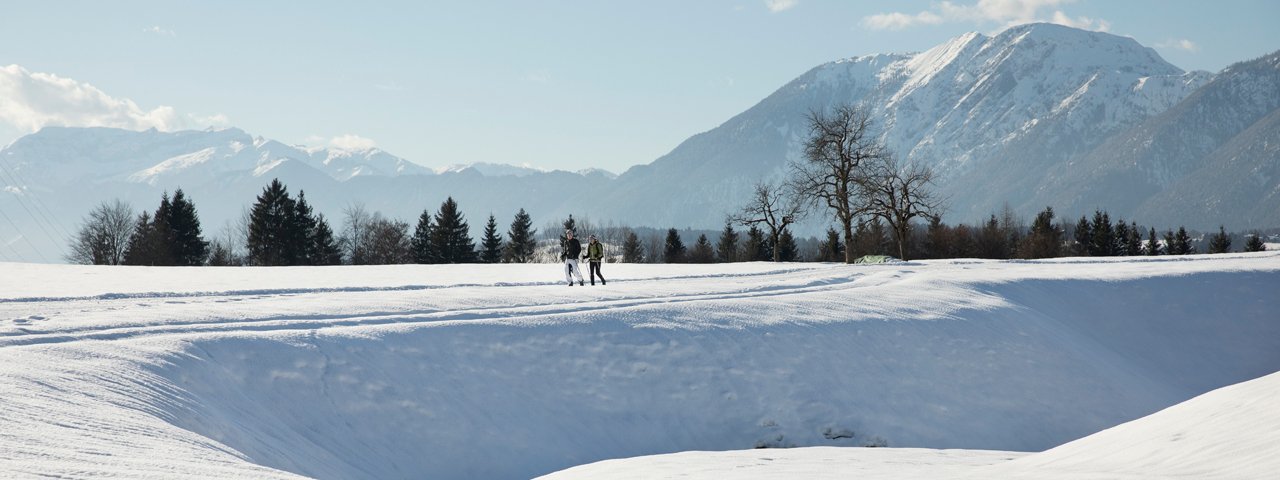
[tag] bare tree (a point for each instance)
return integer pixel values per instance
(104, 236)
(354, 232)
(898, 195)
(831, 174)
(774, 205)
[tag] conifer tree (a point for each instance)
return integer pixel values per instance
(992, 241)
(521, 242)
(163, 232)
(727, 247)
(569, 226)
(937, 242)
(1102, 236)
(491, 244)
(830, 250)
(1220, 242)
(787, 251)
(1181, 243)
(143, 243)
(1153, 246)
(702, 251)
(325, 250)
(451, 237)
(1045, 238)
(962, 243)
(1133, 241)
(632, 250)
(1170, 243)
(272, 227)
(756, 249)
(1121, 237)
(1083, 237)
(302, 233)
(1255, 243)
(422, 244)
(186, 245)
(674, 251)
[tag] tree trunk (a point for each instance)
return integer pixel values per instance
(848, 240)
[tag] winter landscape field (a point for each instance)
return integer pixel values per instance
(963, 368)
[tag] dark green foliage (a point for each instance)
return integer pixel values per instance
(144, 243)
(1178, 243)
(1121, 237)
(421, 244)
(787, 251)
(674, 251)
(1220, 242)
(962, 243)
(992, 241)
(632, 250)
(702, 251)
(325, 249)
(756, 249)
(937, 240)
(271, 227)
(727, 247)
(451, 237)
(1045, 238)
(869, 238)
(1255, 243)
(186, 245)
(831, 250)
(1102, 239)
(1083, 237)
(521, 242)
(1133, 240)
(1152, 247)
(491, 244)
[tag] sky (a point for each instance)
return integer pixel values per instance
(548, 84)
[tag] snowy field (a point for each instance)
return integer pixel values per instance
(501, 371)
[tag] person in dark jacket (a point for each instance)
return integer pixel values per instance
(572, 248)
(595, 254)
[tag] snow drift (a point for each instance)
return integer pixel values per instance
(503, 372)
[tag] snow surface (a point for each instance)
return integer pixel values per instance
(501, 371)
(1229, 433)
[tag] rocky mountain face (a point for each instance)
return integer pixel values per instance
(1038, 115)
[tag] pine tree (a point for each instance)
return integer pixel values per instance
(787, 251)
(272, 228)
(877, 238)
(492, 243)
(632, 250)
(1133, 242)
(143, 243)
(702, 251)
(1153, 246)
(186, 246)
(422, 244)
(521, 242)
(755, 249)
(937, 242)
(1170, 243)
(674, 250)
(325, 250)
(1121, 237)
(1255, 243)
(1083, 237)
(1220, 242)
(962, 243)
(163, 232)
(451, 237)
(1181, 243)
(831, 250)
(569, 226)
(727, 247)
(1045, 238)
(992, 242)
(302, 233)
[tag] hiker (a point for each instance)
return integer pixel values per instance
(595, 253)
(572, 248)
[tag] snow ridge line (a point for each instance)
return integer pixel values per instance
(315, 322)
(395, 288)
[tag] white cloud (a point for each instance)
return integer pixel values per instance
(215, 120)
(776, 6)
(1003, 12)
(30, 101)
(1182, 44)
(164, 32)
(351, 142)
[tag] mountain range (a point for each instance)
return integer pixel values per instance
(1037, 115)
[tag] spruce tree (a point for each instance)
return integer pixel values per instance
(1153, 245)
(1255, 243)
(632, 250)
(422, 244)
(755, 249)
(727, 247)
(1083, 237)
(186, 246)
(143, 243)
(831, 250)
(1133, 242)
(702, 251)
(937, 242)
(992, 241)
(325, 250)
(1170, 243)
(491, 251)
(163, 233)
(521, 242)
(877, 237)
(1102, 236)
(451, 237)
(787, 251)
(302, 233)
(1182, 243)
(1045, 238)
(1220, 242)
(1121, 237)
(272, 227)
(674, 251)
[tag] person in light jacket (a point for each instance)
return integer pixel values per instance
(595, 253)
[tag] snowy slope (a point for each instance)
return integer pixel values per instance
(1229, 433)
(499, 371)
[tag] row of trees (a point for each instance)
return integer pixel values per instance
(112, 235)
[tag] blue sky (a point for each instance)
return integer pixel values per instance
(553, 84)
